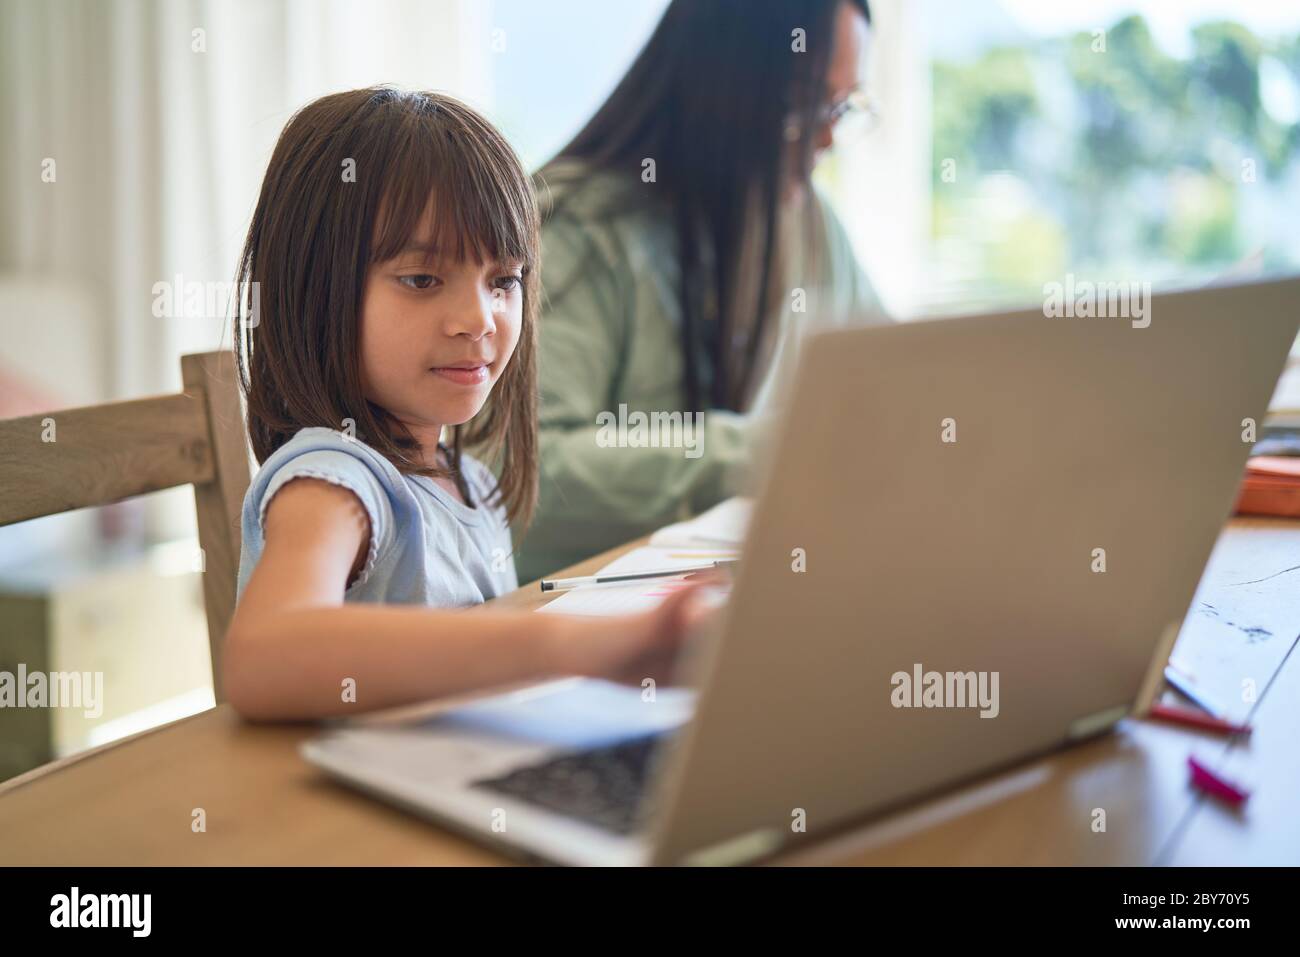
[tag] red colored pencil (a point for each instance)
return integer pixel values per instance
(1195, 719)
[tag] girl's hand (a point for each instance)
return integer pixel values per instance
(631, 648)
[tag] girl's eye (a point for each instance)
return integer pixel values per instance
(418, 281)
(508, 283)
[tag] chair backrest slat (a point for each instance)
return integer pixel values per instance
(76, 458)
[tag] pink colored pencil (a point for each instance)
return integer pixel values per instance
(1214, 785)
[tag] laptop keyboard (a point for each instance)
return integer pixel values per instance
(602, 786)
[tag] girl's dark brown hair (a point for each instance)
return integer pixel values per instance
(349, 181)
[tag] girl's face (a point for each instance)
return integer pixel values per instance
(436, 334)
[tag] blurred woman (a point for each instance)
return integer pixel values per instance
(682, 248)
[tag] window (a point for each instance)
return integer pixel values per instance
(1122, 140)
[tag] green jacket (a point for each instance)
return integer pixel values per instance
(608, 335)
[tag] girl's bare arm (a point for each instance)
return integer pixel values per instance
(293, 642)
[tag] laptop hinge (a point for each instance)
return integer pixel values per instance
(1091, 724)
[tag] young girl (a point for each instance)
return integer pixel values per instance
(395, 247)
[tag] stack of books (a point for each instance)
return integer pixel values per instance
(1272, 482)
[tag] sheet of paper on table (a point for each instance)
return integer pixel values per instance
(724, 525)
(1242, 622)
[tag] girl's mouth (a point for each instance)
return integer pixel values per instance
(463, 375)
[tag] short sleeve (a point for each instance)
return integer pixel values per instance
(349, 468)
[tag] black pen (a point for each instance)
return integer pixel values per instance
(559, 584)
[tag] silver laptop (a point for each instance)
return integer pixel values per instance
(975, 543)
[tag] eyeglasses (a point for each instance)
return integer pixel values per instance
(851, 115)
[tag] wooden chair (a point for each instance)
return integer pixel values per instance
(104, 453)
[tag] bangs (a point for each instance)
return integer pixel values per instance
(452, 183)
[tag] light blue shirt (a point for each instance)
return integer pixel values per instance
(426, 548)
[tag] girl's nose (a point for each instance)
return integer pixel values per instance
(476, 315)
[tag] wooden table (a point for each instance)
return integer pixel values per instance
(132, 802)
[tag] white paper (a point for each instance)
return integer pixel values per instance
(723, 525)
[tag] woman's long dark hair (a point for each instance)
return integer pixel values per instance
(708, 100)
